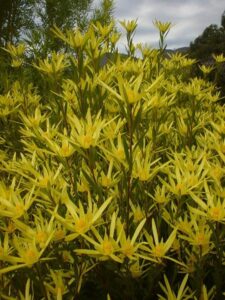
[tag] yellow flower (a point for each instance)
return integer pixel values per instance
(29, 167)
(219, 58)
(157, 249)
(114, 149)
(200, 234)
(213, 208)
(82, 185)
(77, 220)
(138, 268)
(107, 180)
(33, 120)
(130, 91)
(183, 291)
(129, 246)
(129, 26)
(207, 295)
(131, 95)
(41, 232)
(162, 27)
(16, 205)
(184, 175)
(28, 254)
(28, 251)
(16, 63)
(53, 65)
(137, 212)
(86, 132)
(105, 248)
(161, 195)
(103, 30)
(206, 69)
(219, 126)
(114, 38)
(184, 225)
(74, 38)
(59, 232)
(66, 149)
(143, 165)
(5, 249)
(15, 51)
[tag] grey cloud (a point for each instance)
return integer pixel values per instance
(189, 17)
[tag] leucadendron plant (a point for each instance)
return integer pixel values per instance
(112, 173)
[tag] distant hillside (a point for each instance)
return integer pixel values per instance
(182, 50)
(108, 56)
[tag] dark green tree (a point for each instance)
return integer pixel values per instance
(33, 20)
(104, 13)
(210, 42)
(223, 20)
(16, 17)
(65, 14)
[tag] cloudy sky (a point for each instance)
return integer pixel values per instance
(189, 17)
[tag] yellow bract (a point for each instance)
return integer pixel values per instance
(77, 220)
(158, 249)
(198, 234)
(219, 58)
(53, 65)
(162, 27)
(129, 26)
(86, 132)
(183, 291)
(13, 205)
(213, 209)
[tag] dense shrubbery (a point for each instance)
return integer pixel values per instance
(210, 43)
(112, 177)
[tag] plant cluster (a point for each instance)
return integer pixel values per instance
(204, 48)
(112, 174)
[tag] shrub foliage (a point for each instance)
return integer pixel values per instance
(112, 173)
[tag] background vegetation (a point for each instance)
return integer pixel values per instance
(209, 43)
(112, 172)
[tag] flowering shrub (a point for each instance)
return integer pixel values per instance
(112, 174)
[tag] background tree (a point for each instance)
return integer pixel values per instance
(210, 42)
(16, 17)
(104, 13)
(32, 20)
(64, 14)
(223, 20)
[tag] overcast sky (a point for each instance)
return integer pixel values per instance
(189, 17)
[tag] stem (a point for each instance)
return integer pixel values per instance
(71, 175)
(37, 267)
(218, 268)
(91, 164)
(128, 203)
(200, 273)
(179, 206)
(129, 175)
